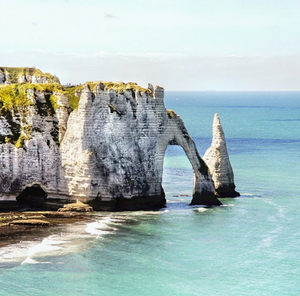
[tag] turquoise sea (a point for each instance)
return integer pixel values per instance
(249, 246)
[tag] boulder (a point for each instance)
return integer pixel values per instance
(76, 207)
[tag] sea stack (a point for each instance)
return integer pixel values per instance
(217, 159)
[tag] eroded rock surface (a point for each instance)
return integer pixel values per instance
(30, 135)
(108, 152)
(217, 159)
(114, 148)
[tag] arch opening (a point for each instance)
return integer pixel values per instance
(178, 175)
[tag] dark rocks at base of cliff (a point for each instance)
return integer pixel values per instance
(9, 205)
(39, 202)
(48, 204)
(35, 197)
(227, 191)
(136, 203)
(140, 203)
(208, 199)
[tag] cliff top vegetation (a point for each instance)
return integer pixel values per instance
(16, 95)
(121, 87)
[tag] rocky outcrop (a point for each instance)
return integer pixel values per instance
(217, 159)
(107, 152)
(30, 222)
(76, 207)
(9, 75)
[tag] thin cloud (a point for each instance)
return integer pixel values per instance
(34, 24)
(158, 55)
(172, 71)
(110, 16)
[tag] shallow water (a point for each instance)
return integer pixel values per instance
(249, 246)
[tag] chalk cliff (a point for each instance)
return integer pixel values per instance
(217, 159)
(114, 146)
(9, 75)
(106, 150)
(32, 122)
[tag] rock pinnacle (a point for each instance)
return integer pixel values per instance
(217, 159)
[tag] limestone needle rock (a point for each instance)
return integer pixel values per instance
(217, 159)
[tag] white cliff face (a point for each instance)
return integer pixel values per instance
(2, 78)
(62, 114)
(217, 159)
(36, 79)
(108, 152)
(35, 157)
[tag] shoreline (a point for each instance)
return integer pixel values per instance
(16, 226)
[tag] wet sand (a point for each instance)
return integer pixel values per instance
(17, 226)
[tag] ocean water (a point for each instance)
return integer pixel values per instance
(249, 246)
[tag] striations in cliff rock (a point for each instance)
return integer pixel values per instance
(113, 150)
(217, 159)
(101, 143)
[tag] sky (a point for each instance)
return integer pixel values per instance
(230, 45)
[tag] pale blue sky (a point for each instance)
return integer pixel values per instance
(181, 45)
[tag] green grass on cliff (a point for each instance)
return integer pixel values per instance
(16, 95)
(14, 102)
(121, 87)
(21, 140)
(171, 113)
(72, 98)
(13, 96)
(92, 84)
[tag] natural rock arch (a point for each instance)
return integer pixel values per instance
(114, 147)
(176, 134)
